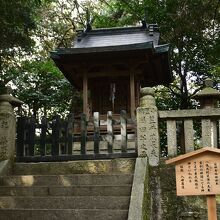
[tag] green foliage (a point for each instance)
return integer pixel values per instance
(43, 88)
(16, 21)
(30, 30)
(57, 23)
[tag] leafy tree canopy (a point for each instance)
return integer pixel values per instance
(30, 29)
(17, 21)
(43, 88)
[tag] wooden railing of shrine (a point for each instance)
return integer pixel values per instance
(187, 130)
(72, 139)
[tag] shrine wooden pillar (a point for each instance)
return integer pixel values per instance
(85, 94)
(132, 95)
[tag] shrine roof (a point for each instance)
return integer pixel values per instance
(116, 37)
(193, 154)
(138, 46)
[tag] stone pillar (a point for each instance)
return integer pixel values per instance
(147, 127)
(7, 125)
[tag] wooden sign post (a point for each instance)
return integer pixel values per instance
(198, 173)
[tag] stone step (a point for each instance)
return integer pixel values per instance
(89, 190)
(66, 180)
(119, 165)
(67, 214)
(64, 202)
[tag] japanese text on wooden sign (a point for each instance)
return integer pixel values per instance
(198, 176)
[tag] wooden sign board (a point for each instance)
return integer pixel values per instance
(198, 172)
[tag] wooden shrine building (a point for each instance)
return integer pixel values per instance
(110, 65)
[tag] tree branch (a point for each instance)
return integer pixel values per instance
(215, 15)
(172, 91)
(63, 37)
(78, 12)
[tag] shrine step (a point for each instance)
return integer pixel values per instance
(66, 180)
(119, 165)
(81, 190)
(64, 214)
(89, 190)
(66, 202)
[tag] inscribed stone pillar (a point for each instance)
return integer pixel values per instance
(7, 126)
(147, 127)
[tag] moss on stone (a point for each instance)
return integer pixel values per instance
(177, 207)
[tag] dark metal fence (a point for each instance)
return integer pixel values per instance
(75, 139)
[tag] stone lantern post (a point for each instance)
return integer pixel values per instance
(7, 124)
(208, 98)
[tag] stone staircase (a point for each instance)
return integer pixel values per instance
(93, 190)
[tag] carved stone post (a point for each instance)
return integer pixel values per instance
(7, 125)
(208, 98)
(147, 127)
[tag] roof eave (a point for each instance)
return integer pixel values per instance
(129, 47)
(165, 48)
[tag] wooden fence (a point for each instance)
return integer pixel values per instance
(72, 139)
(186, 130)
